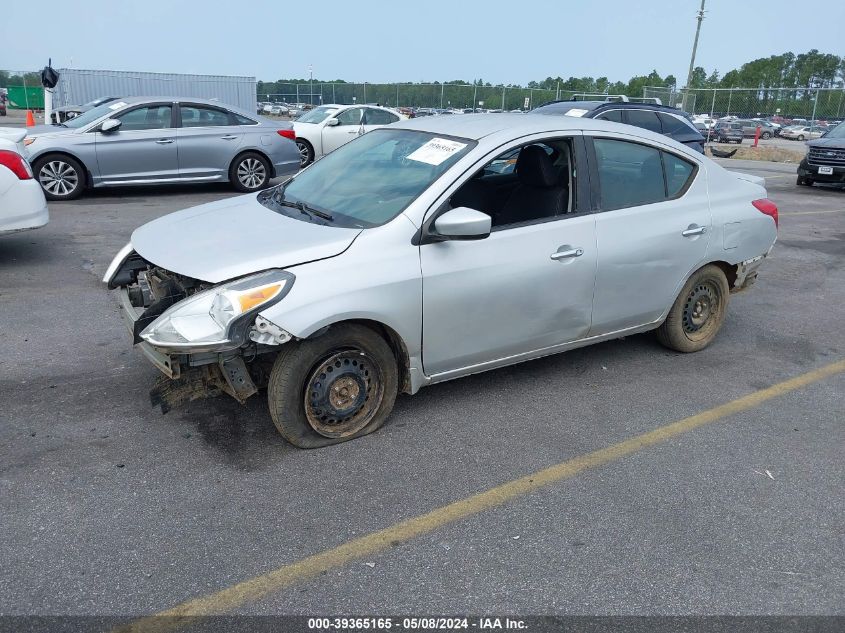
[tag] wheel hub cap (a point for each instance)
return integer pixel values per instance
(58, 177)
(251, 173)
(342, 394)
(700, 306)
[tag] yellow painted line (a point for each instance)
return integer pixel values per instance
(259, 586)
(812, 212)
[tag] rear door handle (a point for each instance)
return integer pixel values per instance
(230, 137)
(572, 252)
(694, 230)
(164, 141)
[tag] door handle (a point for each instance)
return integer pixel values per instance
(573, 252)
(230, 137)
(164, 141)
(694, 230)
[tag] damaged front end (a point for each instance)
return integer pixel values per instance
(206, 339)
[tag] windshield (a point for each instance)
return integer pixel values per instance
(93, 114)
(317, 115)
(837, 132)
(371, 180)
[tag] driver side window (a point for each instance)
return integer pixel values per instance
(154, 117)
(524, 184)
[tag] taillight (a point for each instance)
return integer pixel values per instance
(16, 163)
(287, 134)
(764, 205)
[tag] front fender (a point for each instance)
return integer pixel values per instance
(377, 278)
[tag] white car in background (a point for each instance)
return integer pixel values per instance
(22, 202)
(324, 129)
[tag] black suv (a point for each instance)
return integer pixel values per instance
(662, 119)
(825, 160)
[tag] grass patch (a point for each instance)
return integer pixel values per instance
(772, 154)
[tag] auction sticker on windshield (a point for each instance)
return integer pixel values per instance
(436, 151)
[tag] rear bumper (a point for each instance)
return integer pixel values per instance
(23, 207)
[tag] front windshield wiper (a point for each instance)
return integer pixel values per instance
(308, 210)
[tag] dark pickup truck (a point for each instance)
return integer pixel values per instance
(825, 160)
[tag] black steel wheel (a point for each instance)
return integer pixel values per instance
(333, 388)
(698, 313)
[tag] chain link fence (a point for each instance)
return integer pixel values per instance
(412, 95)
(823, 104)
(22, 89)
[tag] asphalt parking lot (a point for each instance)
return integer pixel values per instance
(110, 508)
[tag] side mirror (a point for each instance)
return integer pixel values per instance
(110, 125)
(332, 122)
(462, 223)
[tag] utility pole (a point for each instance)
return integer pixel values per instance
(699, 17)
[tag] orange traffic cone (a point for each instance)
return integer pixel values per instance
(30, 120)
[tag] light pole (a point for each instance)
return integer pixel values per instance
(311, 82)
(699, 17)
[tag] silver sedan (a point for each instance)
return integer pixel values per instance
(409, 257)
(145, 140)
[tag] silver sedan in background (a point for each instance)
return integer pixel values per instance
(160, 140)
(406, 258)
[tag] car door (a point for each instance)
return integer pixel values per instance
(350, 126)
(652, 229)
(208, 139)
(528, 286)
(142, 149)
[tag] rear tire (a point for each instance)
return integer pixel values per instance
(698, 313)
(333, 388)
(306, 152)
(61, 177)
(800, 137)
(249, 172)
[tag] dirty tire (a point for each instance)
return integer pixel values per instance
(698, 312)
(306, 152)
(61, 177)
(313, 405)
(249, 171)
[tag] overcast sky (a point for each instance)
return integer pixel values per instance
(510, 41)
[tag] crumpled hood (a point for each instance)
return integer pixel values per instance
(235, 237)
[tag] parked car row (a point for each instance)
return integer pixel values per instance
(144, 140)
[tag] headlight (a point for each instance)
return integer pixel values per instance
(217, 318)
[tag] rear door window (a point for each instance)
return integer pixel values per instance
(645, 119)
(634, 174)
(611, 115)
(202, 116)
(373, 116)
(672, 125)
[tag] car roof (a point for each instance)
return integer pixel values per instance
(511, 125)
(590, 106)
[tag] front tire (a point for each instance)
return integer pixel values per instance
(698, 312)
(800, 137)
(333, 388)
(61, 177)
(249, 172)
(306, 152)
(766, 136)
